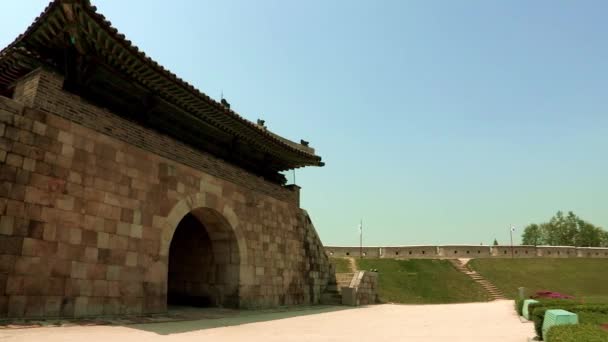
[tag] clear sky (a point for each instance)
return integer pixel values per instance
(439, 121)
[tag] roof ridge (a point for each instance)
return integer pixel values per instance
(141, 54)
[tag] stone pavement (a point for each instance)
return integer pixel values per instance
(471, 322)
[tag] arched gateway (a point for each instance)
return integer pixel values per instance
(206, 255)
(123, 188)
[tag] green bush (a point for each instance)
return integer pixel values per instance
(537, 310)
(577, 333)
(552, 303)
(519, 306)
(538, 313)
(593, 317)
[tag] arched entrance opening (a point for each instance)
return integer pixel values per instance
(204, 261)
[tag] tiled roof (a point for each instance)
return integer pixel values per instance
(79, 16)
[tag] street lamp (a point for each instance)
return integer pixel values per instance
(512, 230)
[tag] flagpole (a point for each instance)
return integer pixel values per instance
(361, 239)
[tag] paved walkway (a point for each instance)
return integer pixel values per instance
(483, 322)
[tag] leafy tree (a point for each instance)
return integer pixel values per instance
(495, 242)
(589, 235)
(604, 239)
(548, 234)
(565, 230)
(532, 235)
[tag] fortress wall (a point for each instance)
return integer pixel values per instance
(515, 251)
(408, 252)
(592, 252)
(556, 251)
(464, 251)
(368, 252)
(469, 251)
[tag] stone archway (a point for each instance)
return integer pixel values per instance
(205, 254)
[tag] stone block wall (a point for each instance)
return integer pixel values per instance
(367, 288)
(89, 203)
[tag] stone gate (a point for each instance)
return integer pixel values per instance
(124, 189)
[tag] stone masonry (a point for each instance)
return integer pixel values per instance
(90, 201)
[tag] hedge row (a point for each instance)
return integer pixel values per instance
(519, 306)
(576, 333)
(591, 314)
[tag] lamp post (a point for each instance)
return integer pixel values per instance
(512, 230)
(361, 239)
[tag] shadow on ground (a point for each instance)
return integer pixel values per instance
(208, 318)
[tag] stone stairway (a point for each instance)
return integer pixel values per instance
(332, 295)
(344, 279)
(493, 291)
(352, 264)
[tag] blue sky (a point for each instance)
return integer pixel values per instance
(439, 121)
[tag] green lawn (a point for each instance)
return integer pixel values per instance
(583, 278)
(341, 265)
(422, 282)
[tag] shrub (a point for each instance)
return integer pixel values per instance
(577, 333)
(538, 313)
(519, 306)
(542, 302)
(593, 317)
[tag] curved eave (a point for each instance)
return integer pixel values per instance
(62, 15)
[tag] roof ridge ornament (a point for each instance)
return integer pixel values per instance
(262, 123)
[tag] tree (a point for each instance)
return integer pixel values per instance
(532, 235)
(495, 242)
(565, 230)
(547, 233)
(589, 235)
(604, 239)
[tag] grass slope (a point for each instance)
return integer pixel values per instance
(583, 278)
(422, 282)
(342, 265)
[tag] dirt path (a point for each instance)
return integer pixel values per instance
(472, 322)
